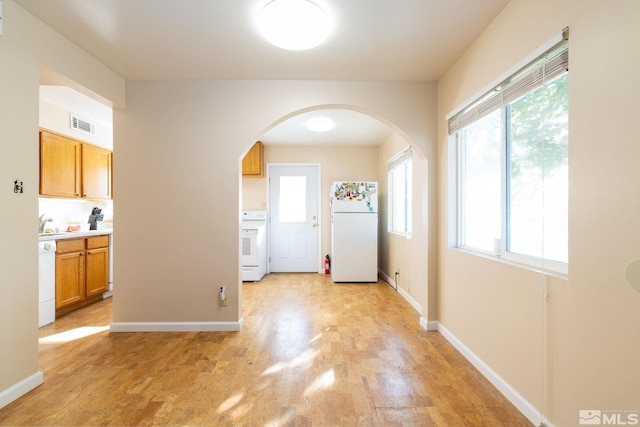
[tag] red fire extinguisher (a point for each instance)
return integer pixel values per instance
(327, 264)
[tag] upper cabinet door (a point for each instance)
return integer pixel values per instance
(96, 172)
(253, 161)
(60, 159)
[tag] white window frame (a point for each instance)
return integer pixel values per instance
(456, 209)
(404, 162)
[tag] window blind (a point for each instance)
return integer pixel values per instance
(400, 158)
(550, 64)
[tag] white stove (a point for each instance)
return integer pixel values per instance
(253, 242)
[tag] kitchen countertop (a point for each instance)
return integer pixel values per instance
(73, 235)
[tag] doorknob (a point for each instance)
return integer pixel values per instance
(315, 225)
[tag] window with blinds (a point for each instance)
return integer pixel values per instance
(512, 165)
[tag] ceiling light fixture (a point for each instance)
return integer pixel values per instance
(320, 124)
(294, 24)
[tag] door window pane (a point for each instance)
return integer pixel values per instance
(293, 199)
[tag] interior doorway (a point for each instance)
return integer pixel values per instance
(294, 217)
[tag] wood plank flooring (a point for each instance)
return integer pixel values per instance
(311, 353)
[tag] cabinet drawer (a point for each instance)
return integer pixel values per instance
(97, 242)
(73, 245)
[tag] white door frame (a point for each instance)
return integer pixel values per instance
(320, 265)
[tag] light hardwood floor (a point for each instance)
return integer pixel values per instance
(311, 353)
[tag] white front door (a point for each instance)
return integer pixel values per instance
(294, 222)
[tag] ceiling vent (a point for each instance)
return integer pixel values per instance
(78, 123)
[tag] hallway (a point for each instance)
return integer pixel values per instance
(311, 353)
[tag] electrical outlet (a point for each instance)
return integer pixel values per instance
(224, 301)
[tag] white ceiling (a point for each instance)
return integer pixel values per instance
(388, 40)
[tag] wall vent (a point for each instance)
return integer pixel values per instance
(78, 123)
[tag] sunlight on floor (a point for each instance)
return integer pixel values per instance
(323, 381)
(284, 419)
(305, 358)
(316, 338)
(230, 402)
(73, 334)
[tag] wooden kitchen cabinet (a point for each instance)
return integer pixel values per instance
(97, 265)
(96, 172)
(72, 168)
(82, 272)
(253, 161)
(70, 272)
(60, 163)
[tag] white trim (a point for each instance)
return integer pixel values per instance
(526, 408)
(557, 38)
(536, 268)
(177, 326)
(417, 307)
(387, 279)
(21, 388)
(428, 325)
(410, 300)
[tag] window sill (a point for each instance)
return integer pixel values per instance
(533, 268)
(400, 234)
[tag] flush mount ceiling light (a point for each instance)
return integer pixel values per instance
(293, 24)
(320, 124)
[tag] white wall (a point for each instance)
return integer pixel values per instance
(57, 103)
(578, 348)
(25, 47)
(179, 147)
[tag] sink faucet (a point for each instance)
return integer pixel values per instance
(43, 221)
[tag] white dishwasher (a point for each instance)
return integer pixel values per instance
(47, 282)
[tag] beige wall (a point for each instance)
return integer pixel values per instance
(25, 47)
(179, 146)
(408, 255)
(576, 346)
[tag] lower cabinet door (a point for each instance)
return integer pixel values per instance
(70, 278)
(97, 271)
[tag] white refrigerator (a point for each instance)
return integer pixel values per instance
(354, 231)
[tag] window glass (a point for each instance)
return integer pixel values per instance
(481, 165)
(400, 196)
(538, 172)
(293, 199)
(513, 178)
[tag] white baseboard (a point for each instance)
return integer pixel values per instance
(431, 325)
(401, 291)
(526, 408)
(416, 306)
(386, 278)
(177, 326)
(21, 388)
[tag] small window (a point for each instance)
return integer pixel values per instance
(293, 199)
(400, 189)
